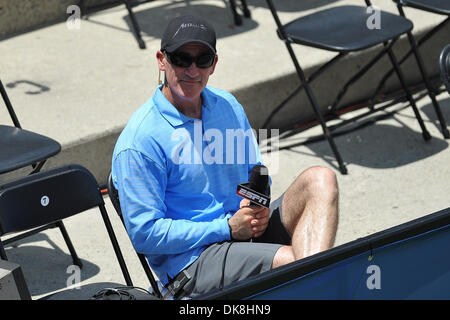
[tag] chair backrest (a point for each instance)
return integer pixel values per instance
(444, 62)
(281, 31)
(21, 148)
(114, 196)
(9, 106)
(48, 196)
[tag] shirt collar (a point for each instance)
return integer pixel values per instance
(171, 114)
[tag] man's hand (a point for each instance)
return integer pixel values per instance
(249, 222)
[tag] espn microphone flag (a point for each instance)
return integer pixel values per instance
(254, 190)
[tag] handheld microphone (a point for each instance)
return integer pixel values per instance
(255, 189)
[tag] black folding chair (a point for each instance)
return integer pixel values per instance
(441, 7)
(114, 196)
(343, 29)
(22, 148)
(49, 196)
(444, 63)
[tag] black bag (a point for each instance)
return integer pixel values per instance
(124, 293)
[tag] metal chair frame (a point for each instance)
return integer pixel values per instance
(36, 162)
(333, 111)
(444, 65)
(69, 190)
(114, 197)
(432, 92)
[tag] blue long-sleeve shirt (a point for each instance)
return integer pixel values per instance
(177, 177)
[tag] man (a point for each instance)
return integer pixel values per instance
(177, 177)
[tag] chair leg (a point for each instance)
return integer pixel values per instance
(2, 251)
(420, 42)
(425, 133)
(423, 72)
(237, 18)
(149, 274)
(314, 104)
(136, 28)
(431, 93)
(75, 259)
(245, 9)
(116, 246)
(357, 76)
(82, 6)
(9, 106)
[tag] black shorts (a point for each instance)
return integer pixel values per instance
(226, 262)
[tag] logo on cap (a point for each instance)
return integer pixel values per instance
(189, 25)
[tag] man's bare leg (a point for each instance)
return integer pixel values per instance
(310, 214)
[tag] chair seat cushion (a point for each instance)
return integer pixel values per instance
(436, 6)
(21, 148)
(345, 28)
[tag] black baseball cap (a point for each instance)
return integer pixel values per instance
(185, 29)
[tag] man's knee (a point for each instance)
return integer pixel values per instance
(283, 256)
(315, 187)
(320, 182)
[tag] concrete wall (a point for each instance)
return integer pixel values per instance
(263, 97)
(18, 16)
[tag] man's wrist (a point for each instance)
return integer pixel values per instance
(229, 226)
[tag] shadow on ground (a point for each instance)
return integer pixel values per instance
(381, 145)
(51, 266)
(150, 20)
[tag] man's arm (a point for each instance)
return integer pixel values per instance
(141, 183)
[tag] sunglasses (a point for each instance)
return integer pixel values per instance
(184, 60)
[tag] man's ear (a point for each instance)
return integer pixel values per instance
(160, 57)
(214, 64)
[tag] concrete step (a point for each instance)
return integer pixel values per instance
(80, 86)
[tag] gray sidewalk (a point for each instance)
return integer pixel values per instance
(95, 77)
